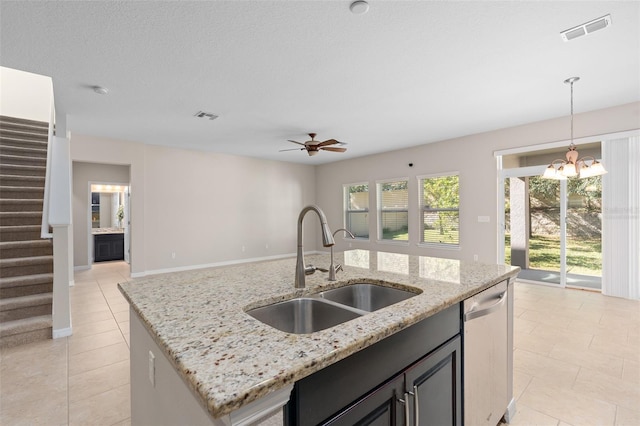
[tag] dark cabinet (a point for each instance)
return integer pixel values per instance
(108, 247)
(415, 373)
(434, 386)
(427, 393)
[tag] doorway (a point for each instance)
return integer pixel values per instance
(552, 229)
(109, 222)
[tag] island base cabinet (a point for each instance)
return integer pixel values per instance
(434, 388)
(427, 393)
(362, 390)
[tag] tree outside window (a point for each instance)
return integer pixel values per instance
(440, 210)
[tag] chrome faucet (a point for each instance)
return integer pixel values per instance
(333, 269)
(327, 241)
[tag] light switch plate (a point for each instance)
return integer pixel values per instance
(483, 218)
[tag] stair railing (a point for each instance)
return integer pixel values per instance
(45, 230)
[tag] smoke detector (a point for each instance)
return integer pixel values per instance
(202, 114)
(586, 28)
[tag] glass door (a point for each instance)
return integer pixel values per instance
(533, 227)
(552, 229)
(584, 232)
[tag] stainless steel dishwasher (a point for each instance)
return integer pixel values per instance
(488, 357)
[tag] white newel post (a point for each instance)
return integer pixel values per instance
(60, 221)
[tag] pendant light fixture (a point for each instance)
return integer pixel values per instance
(573, 166)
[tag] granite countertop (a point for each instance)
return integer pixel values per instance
(229, 359)
(102, 231)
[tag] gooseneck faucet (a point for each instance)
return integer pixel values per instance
(333, 269)
(327, 241)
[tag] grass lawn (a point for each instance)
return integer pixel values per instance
(584, 256)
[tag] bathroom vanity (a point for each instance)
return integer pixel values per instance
(108, 244)
(198, 357)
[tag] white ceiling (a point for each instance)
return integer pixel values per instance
(404, 74)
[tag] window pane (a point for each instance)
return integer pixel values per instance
(440, 210)
(394, 217)
(357, 210)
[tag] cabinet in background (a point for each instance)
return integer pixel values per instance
(108, 247)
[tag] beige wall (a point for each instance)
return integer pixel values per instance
(82, 174)
(473, 157)
(206, 207)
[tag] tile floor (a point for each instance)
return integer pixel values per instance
(577, 360)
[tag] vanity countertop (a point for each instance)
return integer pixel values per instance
(229, 359)
(102, 231)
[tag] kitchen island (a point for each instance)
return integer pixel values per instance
(230, 361)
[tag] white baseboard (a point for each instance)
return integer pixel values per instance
(217, 264)
(64, 332)
(72, 283)
(82, 268)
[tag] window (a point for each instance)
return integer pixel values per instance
(439, 207)
(393, 198)
(356, 201)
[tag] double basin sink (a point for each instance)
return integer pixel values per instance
(328, 308)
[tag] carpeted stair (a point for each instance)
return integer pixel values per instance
(26, 260)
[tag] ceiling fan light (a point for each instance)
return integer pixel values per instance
(312, 152)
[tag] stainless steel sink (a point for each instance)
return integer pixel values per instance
(367, 297)
(303, 315)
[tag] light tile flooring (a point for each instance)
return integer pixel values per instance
(577, 360)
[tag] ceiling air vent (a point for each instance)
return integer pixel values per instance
(586, 28)
(202, 114)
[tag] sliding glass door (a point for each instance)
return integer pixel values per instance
(552, 229)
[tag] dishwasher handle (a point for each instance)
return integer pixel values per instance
(472, 314)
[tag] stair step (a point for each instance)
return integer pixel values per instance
(24, 143)
(23, 161)
(20, 218)
(16, 205)
(16, 249)
(24, 151)
(20, 233)
(14, 122)
(33, 305)
(19, 266)
(25, 285)
(22, 181)
(21, 193)
(22, 170)
(26, 133)
(18, 332)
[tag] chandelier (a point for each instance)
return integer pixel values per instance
(573, 166)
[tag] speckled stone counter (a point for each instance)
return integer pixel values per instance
(229, 359)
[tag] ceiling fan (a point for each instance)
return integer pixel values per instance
(313, 146)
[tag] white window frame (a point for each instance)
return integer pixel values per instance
(346, 211)
(421, 241)
(379, 232)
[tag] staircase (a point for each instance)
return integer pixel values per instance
(26, 260)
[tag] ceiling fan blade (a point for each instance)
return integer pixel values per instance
(292, 149)
(299, 143)
(328, 142)
(327, 148)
